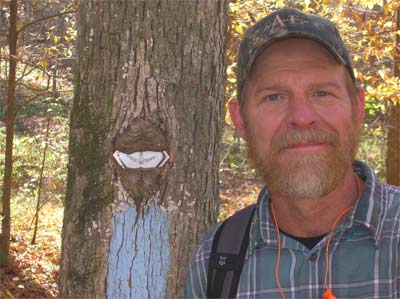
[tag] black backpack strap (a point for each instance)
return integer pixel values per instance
(227, 254)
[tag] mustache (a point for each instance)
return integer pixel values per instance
(295, 136)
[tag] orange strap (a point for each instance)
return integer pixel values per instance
(328, 292)
(278, 259)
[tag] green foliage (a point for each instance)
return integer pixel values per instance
(373, 148)
(28, 151)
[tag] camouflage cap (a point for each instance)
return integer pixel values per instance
(286, 23)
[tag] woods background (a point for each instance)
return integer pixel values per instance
(37, 60)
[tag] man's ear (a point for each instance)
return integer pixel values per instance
(360, 105)
(236, 117)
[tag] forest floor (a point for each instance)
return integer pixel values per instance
(34, 269)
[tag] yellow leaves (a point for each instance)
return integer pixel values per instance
(356, 17)
(20, 24)
(357, 74)
(231, 74)
(381, 74)
(388, 24)
(43, 64)
(367, 55)
(371, 4)
(386, 88)
(232, 79)
(227, 119)
(233, 7)
(386, 9)
(239, 29)
(371, 91)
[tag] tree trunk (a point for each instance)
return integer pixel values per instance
(393, 143)
(40, 183)
(150, 77)
(8, 164)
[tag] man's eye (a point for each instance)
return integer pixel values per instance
(321, 93)
(272, 97)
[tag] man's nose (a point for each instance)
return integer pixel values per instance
(301, 113)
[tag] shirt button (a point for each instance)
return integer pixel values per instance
(312, 257)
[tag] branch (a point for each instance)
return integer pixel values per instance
(20, 60)
(34, 67)
(33, 88)
(63, 77)
(69, 10)
(374, 33)
(26, 62)
(25, 74)
(30, 100)
(34, 97)
(363, 10)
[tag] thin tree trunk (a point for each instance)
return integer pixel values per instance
(6, 221)
(40, 183)
(393, 144)
(150, 77)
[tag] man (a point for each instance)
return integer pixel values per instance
(325, 226)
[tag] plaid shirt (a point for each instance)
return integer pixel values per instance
(364, 254)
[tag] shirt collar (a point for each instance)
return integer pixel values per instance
(368, 210)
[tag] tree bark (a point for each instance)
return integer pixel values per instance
(393, 143)
(150, 77)
(8, 163)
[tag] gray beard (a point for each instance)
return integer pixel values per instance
(310, 176)
(305, 175)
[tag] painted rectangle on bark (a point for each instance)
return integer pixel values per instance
(139, 255)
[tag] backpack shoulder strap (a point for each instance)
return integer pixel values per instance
(227, 254)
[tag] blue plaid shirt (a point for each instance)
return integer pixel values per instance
(364, 254)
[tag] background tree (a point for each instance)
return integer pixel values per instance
(393, 145)
(150, 77)
(5, 200)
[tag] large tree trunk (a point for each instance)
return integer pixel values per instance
(150, 77)
(393, 143)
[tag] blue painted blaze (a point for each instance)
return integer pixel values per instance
(139, 254)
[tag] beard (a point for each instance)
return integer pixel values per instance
(305, 175)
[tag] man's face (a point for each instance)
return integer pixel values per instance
(301, 128)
